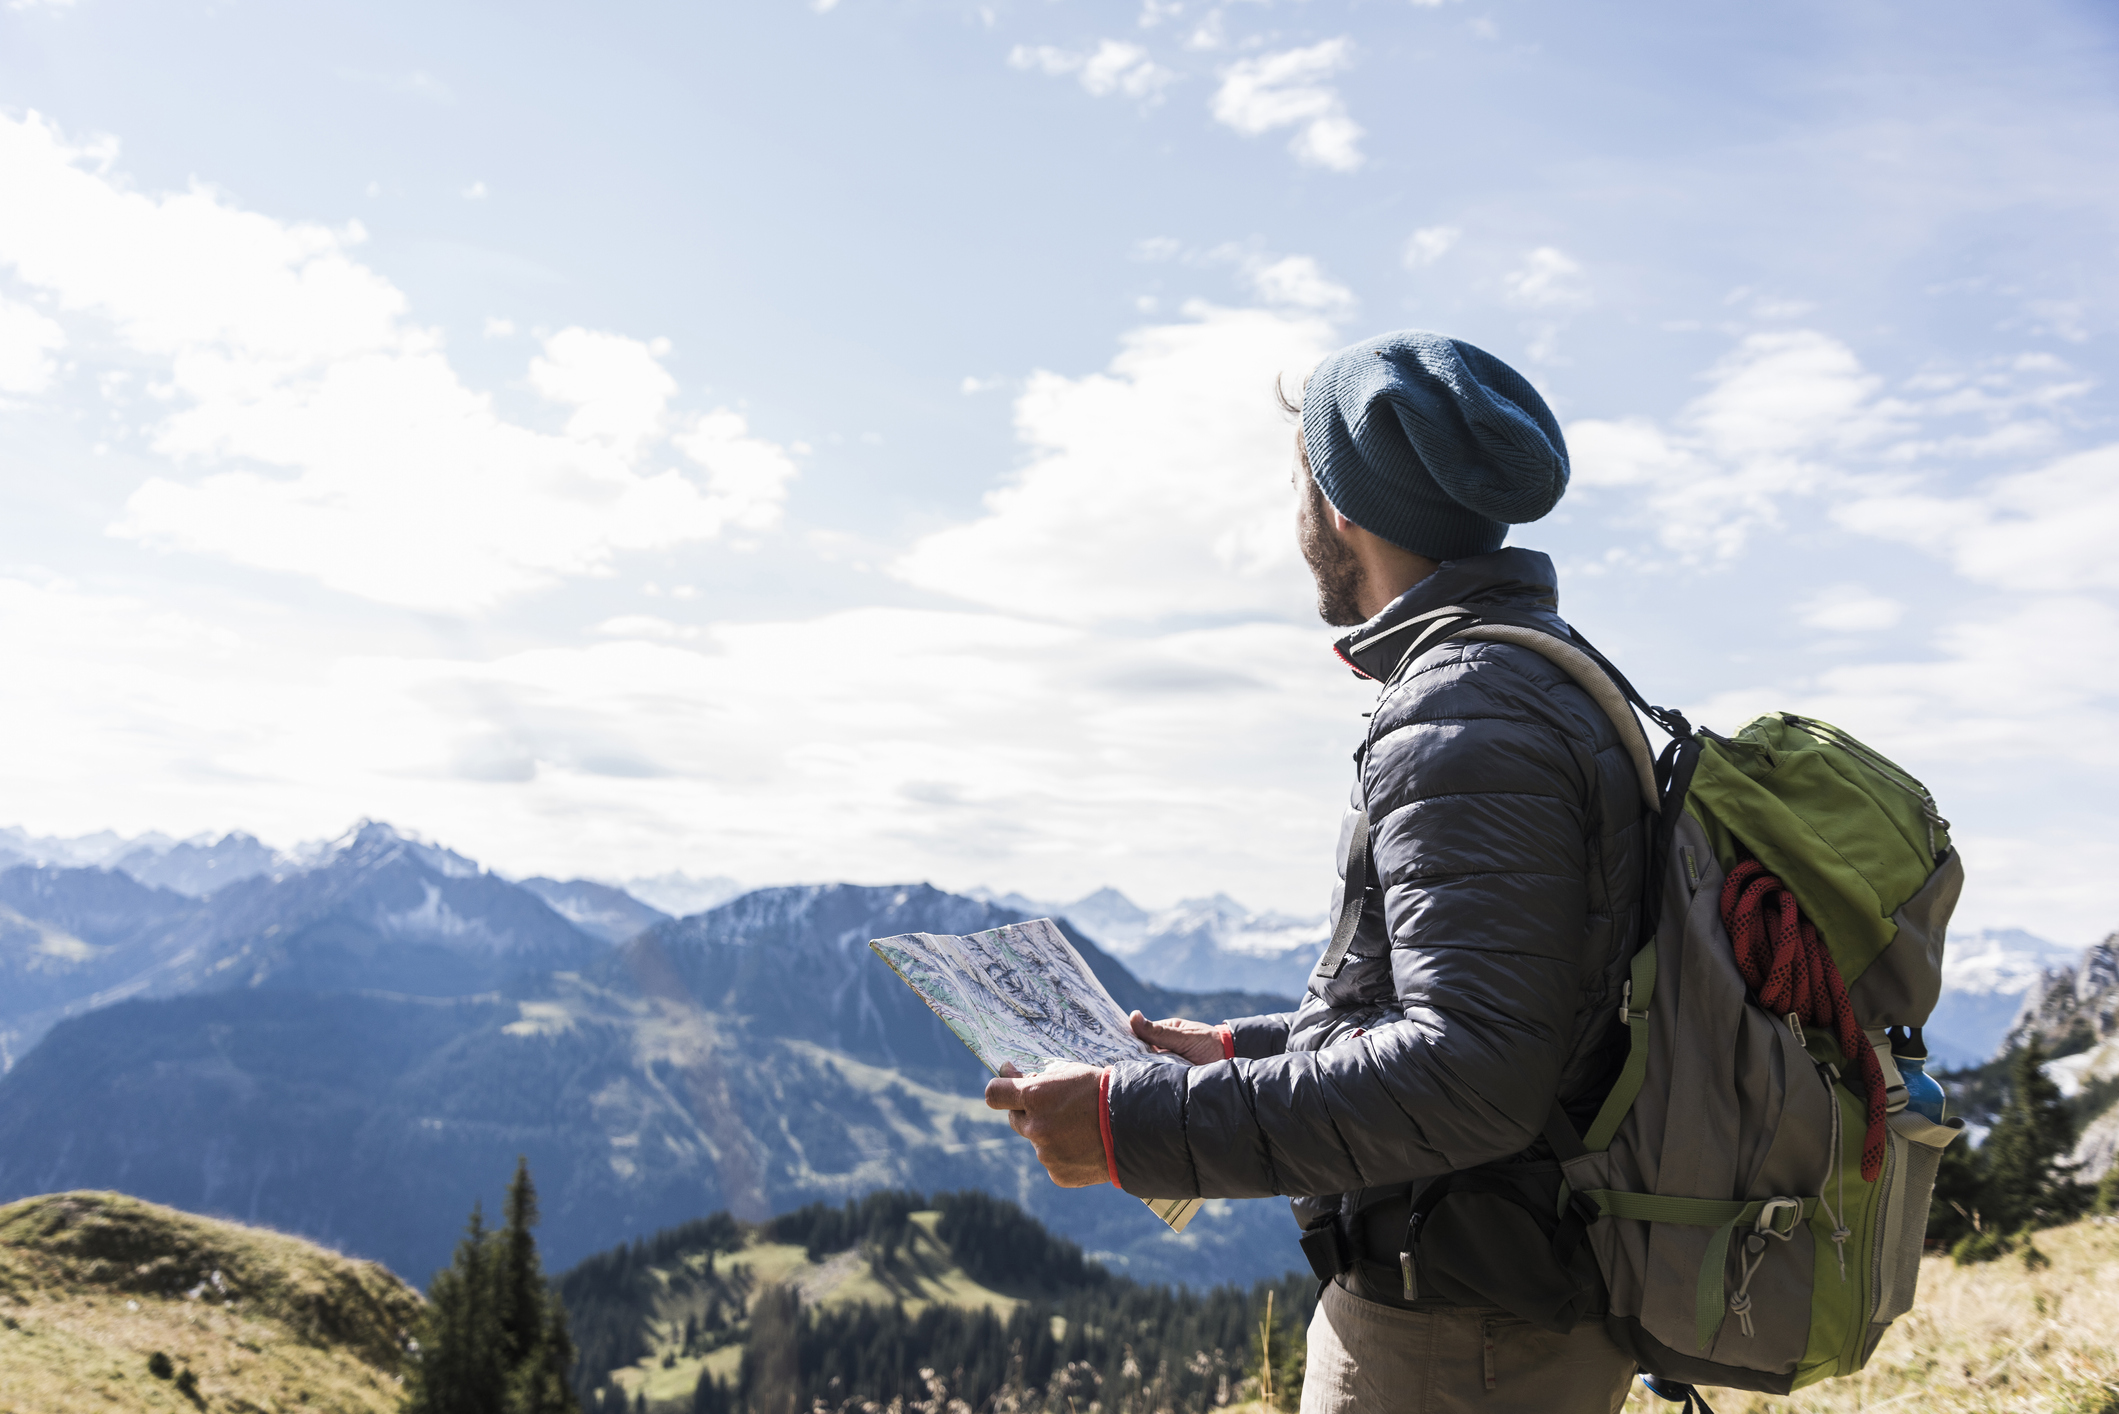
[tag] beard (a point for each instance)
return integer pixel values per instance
(1340, 576)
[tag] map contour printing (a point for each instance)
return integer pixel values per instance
(1021, 995)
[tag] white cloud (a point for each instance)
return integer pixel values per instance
(2048, 530)
(1157, 487)
(646, 626)
(338, 442)
(1850, 608)
(475, 192)
(424, 84)
(27, 341)
(1549, 278)
(2005, 687)
(1288, 90)
(1781, 416)
(746, 476)
(1430, 243)
(876, 745)
(498, 328)
(1998, 691)
(1114, 66)
(2011, 716)
(616, 385)
(1298, 282)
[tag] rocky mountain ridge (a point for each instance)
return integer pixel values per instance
(351, 1050)
(2073, 1012)
(204, 864)
(1198, 944)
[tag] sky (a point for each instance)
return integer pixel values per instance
(837, 440)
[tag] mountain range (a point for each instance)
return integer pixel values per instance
(1213, 943)
(351, 1047)
(348, 1040)
(205, 864)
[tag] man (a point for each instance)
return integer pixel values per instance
(1508, 840)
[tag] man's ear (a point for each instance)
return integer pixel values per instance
(1339, 522)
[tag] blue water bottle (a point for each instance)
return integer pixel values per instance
(1924, 1093)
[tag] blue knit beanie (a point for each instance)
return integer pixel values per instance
(1432, 444)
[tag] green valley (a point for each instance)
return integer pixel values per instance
(896, 1298)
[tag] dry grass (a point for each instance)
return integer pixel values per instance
(2000, 1338)
(94, 1284)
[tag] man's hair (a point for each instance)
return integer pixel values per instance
(1293, 409)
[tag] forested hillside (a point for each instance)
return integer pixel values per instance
(963, 1298)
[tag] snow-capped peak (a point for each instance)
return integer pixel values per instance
(2000, 960)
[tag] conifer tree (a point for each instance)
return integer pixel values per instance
(770, 1373)
(461, 1368)
(2027, 1179)
(540, 1384)
(522, 1289)
(496, 1339)
(1960, 1197)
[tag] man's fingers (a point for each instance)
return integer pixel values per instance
(1004, 1093)
(1155, 1033)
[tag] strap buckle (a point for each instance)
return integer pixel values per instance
(1326, 1249)
(1627, 1015)
(1773, 1206)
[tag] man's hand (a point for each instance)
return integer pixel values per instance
(1061, 1112)
(1195, 1041)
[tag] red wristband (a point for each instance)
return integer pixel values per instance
(1228, 1041)
(1103, 1120)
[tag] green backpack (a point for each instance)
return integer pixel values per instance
(1757, 1220)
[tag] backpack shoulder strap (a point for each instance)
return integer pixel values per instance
(1573, 655)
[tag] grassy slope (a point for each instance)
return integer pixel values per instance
(92, 1284)
(1997, 1337)
(922, 1273)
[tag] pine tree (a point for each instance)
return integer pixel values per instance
(522, 1287)
(540, 1382)
(1960, 1196)
(461, 1368)
(2027, 1179)
(770, 1374)
(496, 1339)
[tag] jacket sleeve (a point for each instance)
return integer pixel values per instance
(1257, 1037)
(1482, 841)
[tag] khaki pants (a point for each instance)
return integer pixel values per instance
(1367, 1358)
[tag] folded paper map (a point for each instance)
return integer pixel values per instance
(1021, 995)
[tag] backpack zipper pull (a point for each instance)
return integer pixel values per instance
(1407, 1271)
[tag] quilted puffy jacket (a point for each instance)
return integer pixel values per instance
(1508, 844)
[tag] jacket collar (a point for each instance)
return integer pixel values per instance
(1514, 577)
